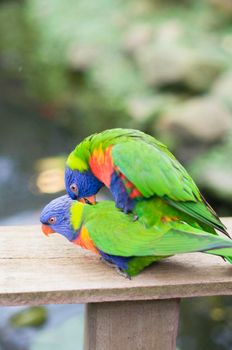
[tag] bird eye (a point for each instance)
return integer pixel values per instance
(74, 189)
(52, 220)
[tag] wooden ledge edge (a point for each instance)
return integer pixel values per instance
(116, 294)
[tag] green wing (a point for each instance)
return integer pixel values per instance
(119, 235)
(155, 171)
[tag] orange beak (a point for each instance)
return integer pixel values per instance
(91, 200)
(47, 230)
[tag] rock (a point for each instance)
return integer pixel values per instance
(226, 43)
(170, 32)
(217, 180)
(162, 65)
(165, 65)
(222, 89)
(142, 108)
(138, 36)
(164, 59)
(213, 171)
(223, 5)
(202, 71)
(204, 119)
(81, 57)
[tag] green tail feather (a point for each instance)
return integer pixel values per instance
(229, 259)
(223, 252)
(201, 212)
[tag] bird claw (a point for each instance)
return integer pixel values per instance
(108, 263)
(135, 218)
(122, 273)
(119, 271)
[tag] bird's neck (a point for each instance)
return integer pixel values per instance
(84, 240)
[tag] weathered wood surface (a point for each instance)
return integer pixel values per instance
(39, 270)
(144, 324)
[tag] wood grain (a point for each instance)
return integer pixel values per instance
(132, 325)
(39, 270)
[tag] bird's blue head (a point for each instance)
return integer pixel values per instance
(81, 184)
(55, 217)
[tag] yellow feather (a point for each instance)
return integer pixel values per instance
(76, 163)
(76, 214)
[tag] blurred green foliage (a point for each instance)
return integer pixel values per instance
(35, 316)
(206, 323)
(141, 64)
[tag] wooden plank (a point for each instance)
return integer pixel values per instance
(39, 270)
(132, 325)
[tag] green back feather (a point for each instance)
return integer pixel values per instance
(115, 233)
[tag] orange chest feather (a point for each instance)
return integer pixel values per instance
(85, 241)
(101, 164)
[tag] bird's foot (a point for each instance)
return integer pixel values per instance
(127, 210)
(108, 263)
(135, 218)
(122, 273)
(126, 206)
(119, 271)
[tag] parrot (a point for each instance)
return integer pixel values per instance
(127, 244)
(135, 166)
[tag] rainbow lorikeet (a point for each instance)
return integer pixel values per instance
(130, 245)
(134, 166)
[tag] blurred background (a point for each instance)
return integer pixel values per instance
(68, 69)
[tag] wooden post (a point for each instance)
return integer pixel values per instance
(132, 325)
